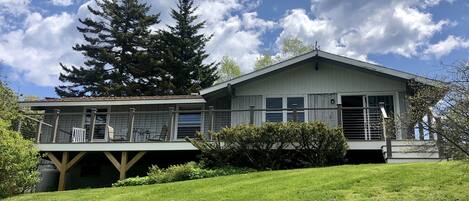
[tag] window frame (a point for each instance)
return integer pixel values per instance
(176, 124)
(284, 105)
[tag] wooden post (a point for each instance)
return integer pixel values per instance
(171, 123)
(92, 123)
(124, 166)
(386, 135)
(64, 165)
(56, 125)
(130, 126)
(295, 113)
(251, 114)
(39, 131)
(339, 115)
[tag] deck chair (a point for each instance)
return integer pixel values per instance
(162, 136)
(112, 135)
(78, 135)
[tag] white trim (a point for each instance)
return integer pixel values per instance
(286, 63)
(108, 103)
(181, 146)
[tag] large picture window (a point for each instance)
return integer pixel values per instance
(188, 124)
(274, 105)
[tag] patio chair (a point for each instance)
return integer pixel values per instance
(162, 136)
(78, 135)
(111, 135)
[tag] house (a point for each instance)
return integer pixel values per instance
(93, 139)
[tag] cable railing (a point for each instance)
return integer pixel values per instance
(174, 125)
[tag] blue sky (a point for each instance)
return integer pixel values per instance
(415, 36)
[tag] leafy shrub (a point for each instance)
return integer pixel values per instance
(274, 146)
(18, 162)
(188, 171)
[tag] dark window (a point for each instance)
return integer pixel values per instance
(273, 116)
(100, 123)
(298, 102)
(188, 124)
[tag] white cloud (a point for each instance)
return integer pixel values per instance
(34, 52)
(14, 6)
(372, 27)
(62, 2)
(445, 47)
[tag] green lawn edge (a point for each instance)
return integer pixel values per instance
(411, 181)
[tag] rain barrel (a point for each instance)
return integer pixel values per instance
(49, 176)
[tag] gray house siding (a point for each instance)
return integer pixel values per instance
(243, 103)
(322, 101)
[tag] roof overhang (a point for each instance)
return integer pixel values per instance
(326, 55)
(107, 103)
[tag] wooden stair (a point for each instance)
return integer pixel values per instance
(412, 151)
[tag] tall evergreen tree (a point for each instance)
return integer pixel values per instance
(118, 61)
(184, 51)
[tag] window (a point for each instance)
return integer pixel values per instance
(188, 124)
(272, 104)
(297, 102)
(275, 104)
(99, 124)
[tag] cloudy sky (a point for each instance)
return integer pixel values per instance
(416, 36)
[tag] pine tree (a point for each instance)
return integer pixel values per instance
(184, 51)
(117, 50)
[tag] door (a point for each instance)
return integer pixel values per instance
(100, 124)
(353, 117)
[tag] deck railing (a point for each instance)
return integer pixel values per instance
(358, 123)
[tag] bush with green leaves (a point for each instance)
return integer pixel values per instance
(188, 171)
(18, 162)
(274, 146)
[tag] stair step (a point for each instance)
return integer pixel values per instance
(412, 160)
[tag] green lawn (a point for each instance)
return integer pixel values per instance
(418, 181)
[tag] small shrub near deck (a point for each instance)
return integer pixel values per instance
(181, 172)
(274, 146)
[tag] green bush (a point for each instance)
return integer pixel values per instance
(18, 162)
(180, 172)
(274, 146)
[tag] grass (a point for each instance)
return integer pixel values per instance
(417, 181)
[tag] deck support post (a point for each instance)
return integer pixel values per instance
(124, 165)
(64, 165)
(56, 125)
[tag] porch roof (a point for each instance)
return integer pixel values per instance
(129, 100)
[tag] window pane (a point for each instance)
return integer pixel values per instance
(300, 117)
(274, 117)
(188, 124)
(388, 102)
(273, 103)
(299, 101)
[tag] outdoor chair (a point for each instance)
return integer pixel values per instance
(78, 135)
(111, 135)
(162, 136)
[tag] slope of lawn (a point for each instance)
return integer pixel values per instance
(418, 181)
